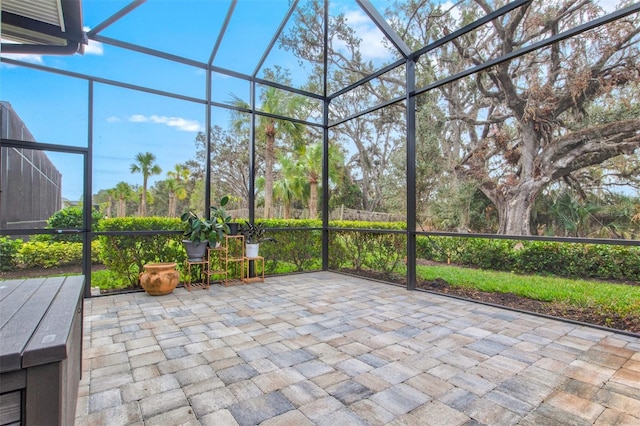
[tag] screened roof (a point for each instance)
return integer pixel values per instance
(189, 66)
(244, 37)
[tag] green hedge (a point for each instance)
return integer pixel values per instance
(50, 255)
(353, 248)
(294, 251)
(571, 260)
(126, 254)
(9, 252)
(68, 218)
(40, 254)
(367, 250)
(301, 250)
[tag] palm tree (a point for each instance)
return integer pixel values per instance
(310, 166)
(175, 186)
(145, 164)
(180, 173)
(123, 193)
(573, 214)
(276, 102)
(150, 200)
(112, 195)
(290, 184)
(177, 191)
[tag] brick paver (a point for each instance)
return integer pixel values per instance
(328, 349)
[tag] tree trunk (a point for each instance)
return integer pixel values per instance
(143, 198)
(122, 207)
(313, 199)
(515, 215)
(172, 204)
(514, 207)
(268, 174)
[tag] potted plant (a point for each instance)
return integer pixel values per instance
(199, 232)
(254, 234)
(219, 214)
(195, 233)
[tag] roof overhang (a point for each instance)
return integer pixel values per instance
(52, 27)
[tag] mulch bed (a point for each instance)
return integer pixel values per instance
(585, 315)
(555, 309)
(39, 272)
(510, 300)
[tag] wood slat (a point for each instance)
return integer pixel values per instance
(7, 287)
(19, 327)
(10, 407)
(49, 342)
(17, 297)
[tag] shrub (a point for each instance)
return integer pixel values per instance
(441, 249)
(68, 218)
(541, 257)
(300, 248)
(126, 255)
(50, 254)
(387, 252)
(426, 249)
(338, 255)
(571, 260)
(488, 254)
(9, 251)
(107, 280)
(367, 248)
(617, 262)
(47, 254)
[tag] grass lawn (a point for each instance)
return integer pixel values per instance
(608, 297)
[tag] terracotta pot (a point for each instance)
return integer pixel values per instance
(159, 278)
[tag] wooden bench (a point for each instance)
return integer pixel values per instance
(40, 350)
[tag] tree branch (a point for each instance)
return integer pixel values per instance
(590, 147)
(597, 73)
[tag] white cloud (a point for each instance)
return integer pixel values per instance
(137, 118)
(178, 123)
(357, 18)
(452, 9)
(113, 119)
(34, 59)
(608, 5)
(371, 45)
(94, 47)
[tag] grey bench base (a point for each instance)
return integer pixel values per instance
(41, 350)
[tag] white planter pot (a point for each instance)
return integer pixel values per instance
(252, 250)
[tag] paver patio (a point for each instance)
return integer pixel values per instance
(328, 349)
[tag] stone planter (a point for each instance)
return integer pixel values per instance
(195, 252)
(159, 279)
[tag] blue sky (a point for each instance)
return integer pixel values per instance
(127, 122)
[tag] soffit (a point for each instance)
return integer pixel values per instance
(42, 26)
